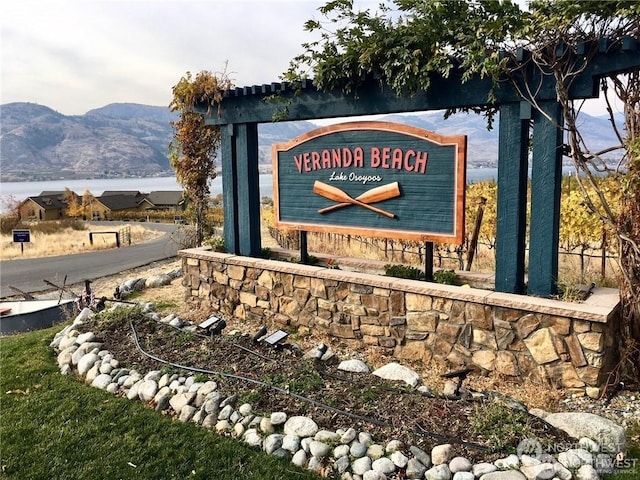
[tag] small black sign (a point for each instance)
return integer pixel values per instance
(21, 236)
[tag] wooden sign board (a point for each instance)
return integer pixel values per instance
(376, 179)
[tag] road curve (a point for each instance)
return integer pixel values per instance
(28, 274)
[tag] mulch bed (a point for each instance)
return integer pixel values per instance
(276, 379)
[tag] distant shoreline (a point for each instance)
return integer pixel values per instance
(23, 190)
(13, 179)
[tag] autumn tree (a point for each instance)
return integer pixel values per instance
(87, 204)
(193, 149)
(73, 207)
(405, 42)
(9, 214)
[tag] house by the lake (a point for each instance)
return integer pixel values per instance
(46, 206)
(55, 206)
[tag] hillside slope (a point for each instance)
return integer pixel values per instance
(131, 140)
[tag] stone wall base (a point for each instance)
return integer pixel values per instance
(571, 345)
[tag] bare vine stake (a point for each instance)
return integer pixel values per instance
(476, 232)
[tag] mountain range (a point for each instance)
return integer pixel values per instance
(131, 140)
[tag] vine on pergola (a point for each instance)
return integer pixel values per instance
(192, 152)
(404, 42)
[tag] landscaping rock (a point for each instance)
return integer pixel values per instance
(587, 472)
(147, 390)
(542, 471)
(439, 472)
(300, 458)
(415, 469)
(483, 468)
(399, 459)
(278, 418)
(361, 465)
(423, 457)
(186, 413)
(609, 436)
(355, 366)
(319, 449)
(341, 451)
(102, 381)
(375, 451)
(358, 450)
(393, 446)
(348, 436)
(504, 475)
(178, 401)
(460, 464)
(441, 454)
(291, 443)
(326, 436)
(300, 426)
(575, 458)
(463, 476)
(253, 438)
(86, 362)
(341, 464)
(273, 442)
(156, 281)
(508, 463)
(383, 465)
(395, 371)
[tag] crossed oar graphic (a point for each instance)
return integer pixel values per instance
(377, 194)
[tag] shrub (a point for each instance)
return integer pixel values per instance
(500, 426)
(312, 260)
(8, 223)
(117, 317)
(10, 218)
(447, 277)
(403, 271)
(216, 243)
(333, 264)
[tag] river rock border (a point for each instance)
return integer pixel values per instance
(349, 454)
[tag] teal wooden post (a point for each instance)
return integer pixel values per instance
(248, 189)
(511, 210)
(229, 190)
(546, 182)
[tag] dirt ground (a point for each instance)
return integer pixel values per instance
(276, 379)
(105, 286)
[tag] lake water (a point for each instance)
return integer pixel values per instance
(23, 190)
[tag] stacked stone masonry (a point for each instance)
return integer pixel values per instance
(572, 345)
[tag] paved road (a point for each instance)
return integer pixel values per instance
(28, 274)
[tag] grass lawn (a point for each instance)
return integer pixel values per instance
(55, 427)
